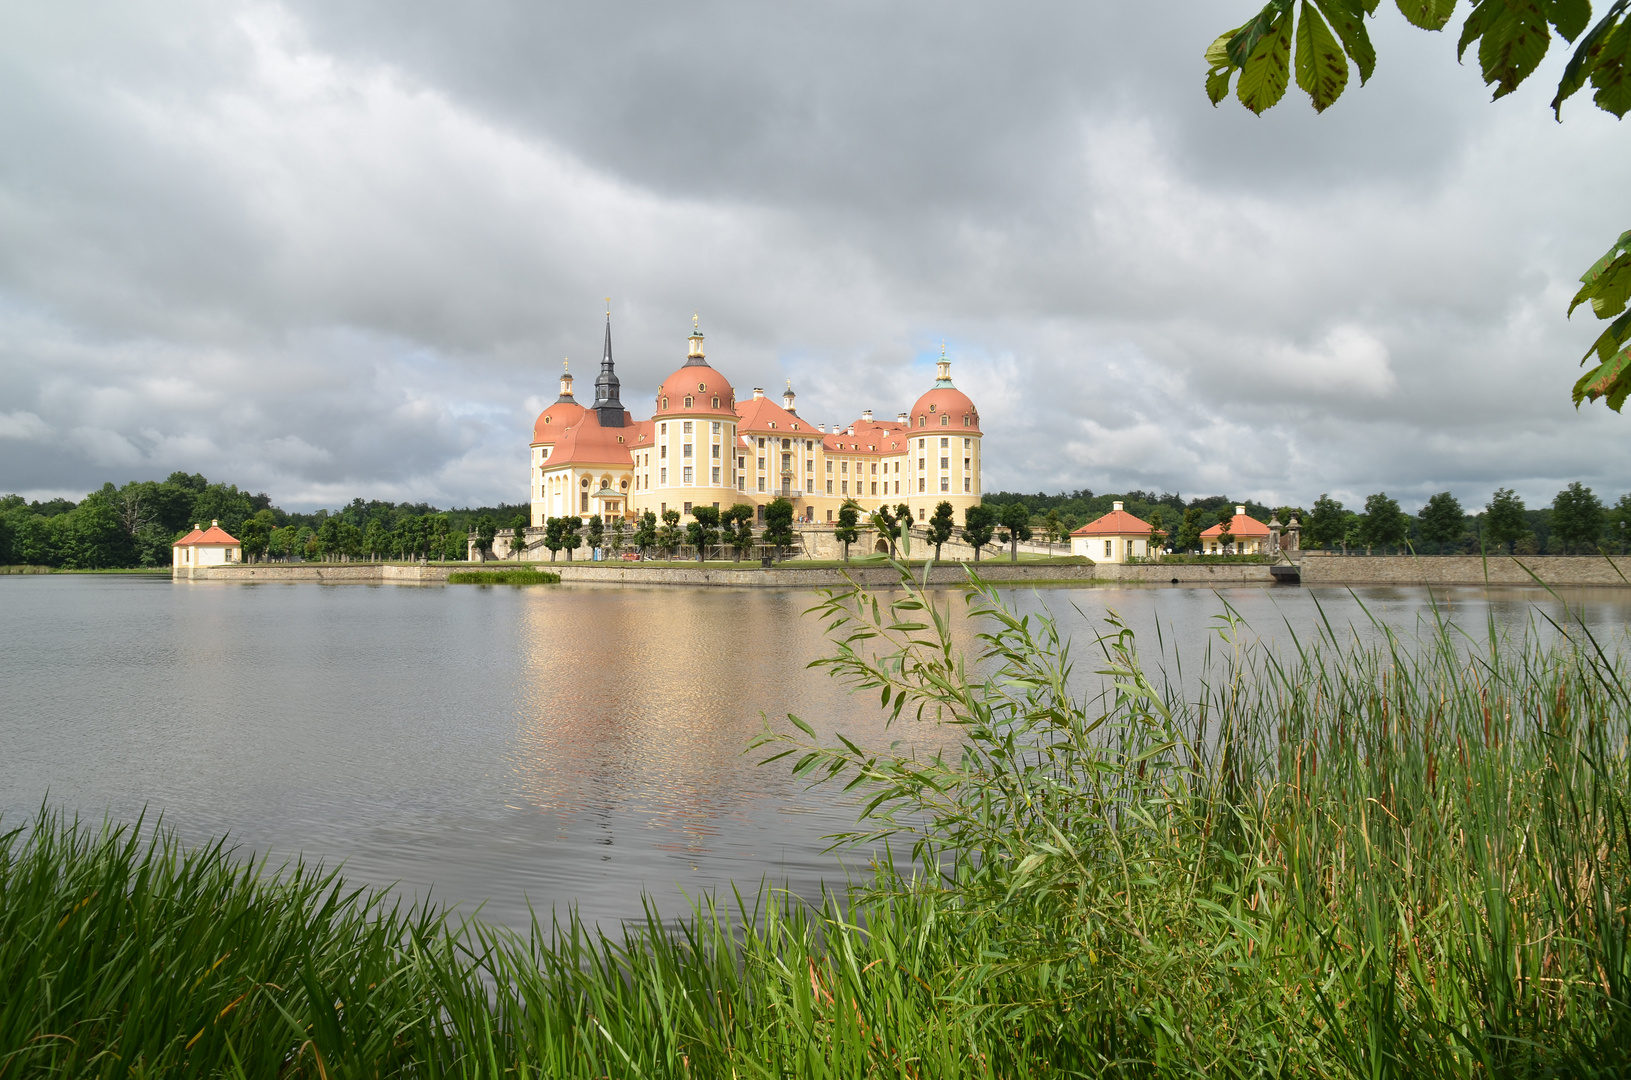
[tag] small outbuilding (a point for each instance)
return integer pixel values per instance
(213, 546)
(1113, 538)
(1248, 536)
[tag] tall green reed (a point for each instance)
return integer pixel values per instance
(1407, 858)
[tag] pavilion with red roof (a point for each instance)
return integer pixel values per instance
(1114, 538)
(213, 546)
(1247, 536)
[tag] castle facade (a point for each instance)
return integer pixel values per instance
(704, 447)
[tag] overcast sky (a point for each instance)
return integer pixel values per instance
(327, 250)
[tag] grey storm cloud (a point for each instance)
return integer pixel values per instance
(334, 250)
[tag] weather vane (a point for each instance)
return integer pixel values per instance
(608, 305)
(694, 324)
(563, 363)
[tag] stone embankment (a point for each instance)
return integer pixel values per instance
(1316, 568)
(1327, 568)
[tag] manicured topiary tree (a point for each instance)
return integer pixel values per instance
(571, 534)
(979, 522)
(1016, 518)
(486, 532)
(703, 529)
(845, 532)
(596, 535)
(779, 525)
(645, 532)
(940, 526)
(668, 535)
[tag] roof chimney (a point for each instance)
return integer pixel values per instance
(866, 417)
(214, 523)
(758, 393)
(900, 419)
(197, 527)
(1118, 505)
(822, 428)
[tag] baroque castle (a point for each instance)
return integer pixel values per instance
(704, 447)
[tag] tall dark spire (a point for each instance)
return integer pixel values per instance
(607, 403)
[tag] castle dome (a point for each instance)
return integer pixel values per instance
(696, 389)
(944, 406)
(561, 414)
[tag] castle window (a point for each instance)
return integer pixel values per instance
(687, 401)
(944, 462)
(965, 420)
(968, 444)
(829, 491)
(714, 474)
(761, 463)
(741, 463)
(761, 483)
(715, 454)
(809, 486)
(665, 405)
(945, 420)
(664, 428)
(923, 421)
(787, 444)
(701, 386)
(966, 484)
(584, 483)
(920, 484)
(662, 477)
(687, 429)
(716, 405)
(773, 423)
(685, 451)
(945, 484)
(686, 478)
(795, 427)
(761, 442)
(662, 451)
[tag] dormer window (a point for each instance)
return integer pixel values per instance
(945, 420)
(795, 427)
(923, 421)
(665, 402)
(716, 403)
(687, 401)
(773, 423)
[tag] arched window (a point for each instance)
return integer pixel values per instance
(716, 403)
(922, 421)
(965, 419)
(945, 420)
(687, 401)
(665, 402)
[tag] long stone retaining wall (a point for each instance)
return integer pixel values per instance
(785, 575)
(1323, 568)
(1317, 568)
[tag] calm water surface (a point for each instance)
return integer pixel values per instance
(498, 746)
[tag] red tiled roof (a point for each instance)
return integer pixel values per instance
(212, 535)
(757, 414)
(1115, 523)
(1239, 525)
(586, 442)
(703, 384)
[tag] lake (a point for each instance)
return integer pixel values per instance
(565, 745)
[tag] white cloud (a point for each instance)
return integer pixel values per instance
(23, 425)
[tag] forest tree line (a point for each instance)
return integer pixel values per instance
(135, 526)
(1577, 522)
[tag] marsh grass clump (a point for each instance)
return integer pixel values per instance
(524, 576)
(1406, 859)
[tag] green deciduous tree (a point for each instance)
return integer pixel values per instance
(668, 534)
(979, 522)
(614, 536)
(1016, 518)
(645, 532)
(779, 525)
(554, 536)
(1325, 526)
(486, 533)
(518, 535)
(1442, 520)
(737, 526)
(595, 535)
(703, 530)
(1189, 531)
(940, 526)
(1383, 522)
(1314, 41)
(1577, 518)
(1504, 521)
(571, 534)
